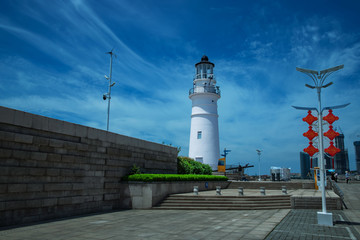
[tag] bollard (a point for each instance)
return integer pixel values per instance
(196, 190)
(284, 190)
(262, 191)
(241, 191)
(218, 190)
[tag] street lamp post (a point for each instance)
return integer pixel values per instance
(259, 153)
(319, 77)
(111, 84)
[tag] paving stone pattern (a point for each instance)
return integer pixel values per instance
(302, 224)
(157, 225)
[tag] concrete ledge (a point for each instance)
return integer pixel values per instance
(146, 195)
(269, 185)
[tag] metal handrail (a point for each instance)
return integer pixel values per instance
(337, 191)
(205, 89)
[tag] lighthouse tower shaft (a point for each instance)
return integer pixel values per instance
(204, 132)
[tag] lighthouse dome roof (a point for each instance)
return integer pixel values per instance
(205, 59)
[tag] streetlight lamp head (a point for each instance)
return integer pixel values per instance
(333, 69)
(309, 86)
(106, 77)
(329, 84)
(112, 84)
(303, 70)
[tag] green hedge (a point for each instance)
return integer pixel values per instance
(188, 165)
(172, 177)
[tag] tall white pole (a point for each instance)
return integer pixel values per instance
(321, 152)
(259, 153)
(109, 93)
(259, 168)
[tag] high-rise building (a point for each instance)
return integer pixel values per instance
(204, 133)
(357, 155)
(341, 159)
(305, 165)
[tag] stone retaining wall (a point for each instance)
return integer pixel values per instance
(311, 202)
(51, 168)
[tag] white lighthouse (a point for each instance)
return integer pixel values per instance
(204, 131)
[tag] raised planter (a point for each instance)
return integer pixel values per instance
(145, 195)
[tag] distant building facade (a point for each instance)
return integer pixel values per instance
(305, 165)
(341, 160)
(357, 155)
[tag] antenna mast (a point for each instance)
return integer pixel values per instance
(111, 84)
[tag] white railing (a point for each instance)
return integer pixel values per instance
(205, 89)
(204, 76)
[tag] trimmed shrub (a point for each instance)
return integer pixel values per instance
(188, 165)
(172, 177)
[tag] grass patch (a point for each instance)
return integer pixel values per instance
(172, 177)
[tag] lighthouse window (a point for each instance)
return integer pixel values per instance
(199, 135)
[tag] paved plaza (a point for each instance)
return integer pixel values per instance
(201, 224)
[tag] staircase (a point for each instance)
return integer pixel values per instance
(193, 202)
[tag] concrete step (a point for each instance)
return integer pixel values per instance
(230, 198)
(192, 202)
(220, 208)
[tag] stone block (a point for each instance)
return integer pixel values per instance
(101, 149)
(12, 205)
(55, 125)
(65, 201)
(49, 202)
(56, 143)
(23, 155)
(60, 151)
(58, 186)
(68, 158)
(17, 188)
(38, 156)
(37, 171)
(3, 188)
(7, 115)
(18, 171)
(52, 172)
(34, 203)
(69, 128)
(7, 136)
(5, 153)
(98, 173)
(82, 147)
(40, 122)
(52, 157)
(66, 172)
(70, 145)
(98, 198)
(35, 187)
(93, 133)
(22, 138)
(46, 149)
(79, 173)
(22, 119)
(108, 197)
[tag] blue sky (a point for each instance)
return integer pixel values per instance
(53, 61)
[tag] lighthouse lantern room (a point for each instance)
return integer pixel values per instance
(204, 131)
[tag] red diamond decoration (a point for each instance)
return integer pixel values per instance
(310, 134)
(309, 118)
(330, 118)
(311, 150)
(331, 134)
(332, 150)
